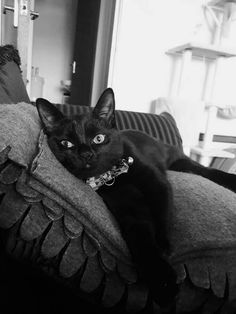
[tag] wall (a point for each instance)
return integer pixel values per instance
(147, 29)
(54, 43)
(142, 71)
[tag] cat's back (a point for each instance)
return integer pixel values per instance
(141, 145)
(141, 139)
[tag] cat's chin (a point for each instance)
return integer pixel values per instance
(89, 172)
(83, 174)
(93, 169)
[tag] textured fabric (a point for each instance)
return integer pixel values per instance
(4, 96)
(207, 219)
(19, 129)
(12, 88)
(162, 127)
(203, 235)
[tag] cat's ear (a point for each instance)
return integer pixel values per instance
(105, 107)
(49, 114)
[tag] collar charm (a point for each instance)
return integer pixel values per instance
(108, 178)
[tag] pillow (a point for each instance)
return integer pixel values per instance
(12, 88)
(19, 129)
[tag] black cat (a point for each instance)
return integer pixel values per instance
(90, 145)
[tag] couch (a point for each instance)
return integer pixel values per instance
(61, 249)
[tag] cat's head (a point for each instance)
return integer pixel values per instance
(88, 144)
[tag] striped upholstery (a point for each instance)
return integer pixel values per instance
(163, 126)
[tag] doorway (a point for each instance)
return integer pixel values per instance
(93, 38)
(71, 43)
(84, 51)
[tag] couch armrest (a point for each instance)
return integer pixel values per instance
(225, 164)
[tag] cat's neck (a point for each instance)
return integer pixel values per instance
(108, 178)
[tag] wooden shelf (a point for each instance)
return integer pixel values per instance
(204, 50)
(214, 152)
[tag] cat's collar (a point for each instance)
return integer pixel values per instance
(108, 178)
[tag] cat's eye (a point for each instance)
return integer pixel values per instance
(99, 139)
(67, 144)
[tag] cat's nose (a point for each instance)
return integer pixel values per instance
(87, 155)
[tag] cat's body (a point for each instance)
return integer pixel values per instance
(90, 145)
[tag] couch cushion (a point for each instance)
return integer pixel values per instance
(12, 88)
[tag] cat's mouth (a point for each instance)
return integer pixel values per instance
(96, 167)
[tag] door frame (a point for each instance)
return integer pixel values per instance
(85, 41)
(102, 64)
(97, 78)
